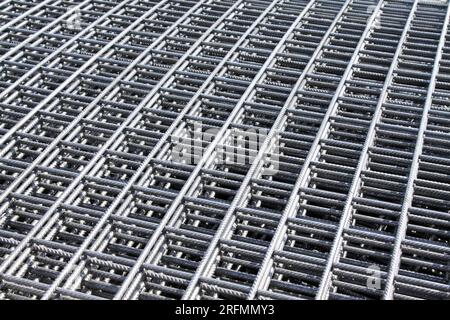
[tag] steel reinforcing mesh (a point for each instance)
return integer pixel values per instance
(224, 149)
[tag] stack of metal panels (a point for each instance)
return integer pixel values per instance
(224, 149)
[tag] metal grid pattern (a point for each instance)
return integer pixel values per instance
(345, 195)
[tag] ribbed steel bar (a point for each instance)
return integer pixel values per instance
(124, 205)
(66, 53)
(345, 219)
(407, 201)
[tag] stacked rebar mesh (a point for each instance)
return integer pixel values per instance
(223, 149)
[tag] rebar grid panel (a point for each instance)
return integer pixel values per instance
(414, 184)
(251, 98)
(157, 88)
(366, 177)
(115, 119)
(381, 186)
(188, 107)
(305, 224)
(255, 213)
(44, 49)
(244, 51)
(17, 12)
